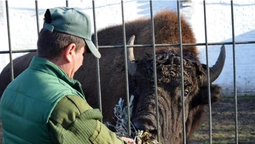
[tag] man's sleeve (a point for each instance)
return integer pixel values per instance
(74, 121)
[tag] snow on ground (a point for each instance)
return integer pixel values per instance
(23, 29)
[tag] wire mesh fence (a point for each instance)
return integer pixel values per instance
(210, 135)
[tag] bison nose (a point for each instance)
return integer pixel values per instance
(139, 126)
(142, 124)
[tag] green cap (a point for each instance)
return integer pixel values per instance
(71, 21)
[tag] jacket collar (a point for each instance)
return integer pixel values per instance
(46, 66)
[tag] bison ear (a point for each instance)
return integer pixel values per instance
(200, 72)
(93, 38)
(47, 16)
(201, 98)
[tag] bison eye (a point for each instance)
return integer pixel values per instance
(186, 93)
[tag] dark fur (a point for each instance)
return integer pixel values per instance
(112, 70)
(169, 96)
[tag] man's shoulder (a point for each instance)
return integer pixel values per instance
(68, 109)
(80, 103)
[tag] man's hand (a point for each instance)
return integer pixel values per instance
(128, 140)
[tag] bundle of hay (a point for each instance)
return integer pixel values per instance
(121, 126)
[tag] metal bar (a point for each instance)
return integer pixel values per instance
(234, 71)
(208, 76)
(97, 67)
(154, 68)
(182, 79)
(184, 44)
(37, 17)
(9, 39)
(126, 66)
(148, 45)
(67, 4)
(18, 51)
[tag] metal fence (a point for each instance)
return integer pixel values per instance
(233, 43)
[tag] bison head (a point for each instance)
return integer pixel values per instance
(169, 85)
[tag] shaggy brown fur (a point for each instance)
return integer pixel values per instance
(169, 96)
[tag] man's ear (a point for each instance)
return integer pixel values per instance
(69, 52)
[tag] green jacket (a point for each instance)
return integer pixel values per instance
(42, 105)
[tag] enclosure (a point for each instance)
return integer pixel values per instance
(214, 22)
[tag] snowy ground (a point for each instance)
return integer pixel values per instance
(23, 30)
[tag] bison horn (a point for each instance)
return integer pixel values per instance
(216, 69)
(131, 57)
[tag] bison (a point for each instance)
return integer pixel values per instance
(141, 82)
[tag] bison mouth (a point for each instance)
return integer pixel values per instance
(147, 124)
(145, 138)
(146, 128)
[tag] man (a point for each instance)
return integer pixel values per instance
(44, 104)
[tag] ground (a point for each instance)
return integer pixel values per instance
(223, 123)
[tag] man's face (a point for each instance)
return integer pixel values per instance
(78, 59)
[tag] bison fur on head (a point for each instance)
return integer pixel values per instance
(112, 76)
(168, 67)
